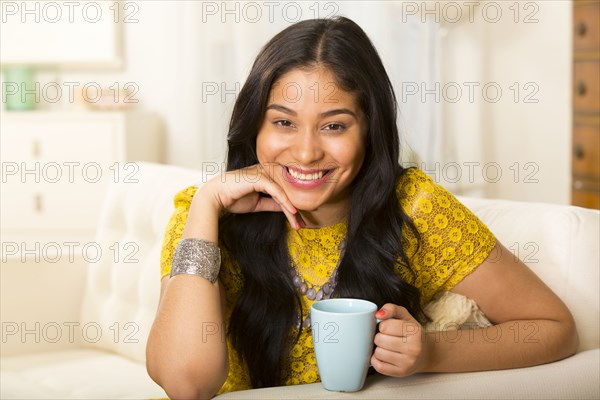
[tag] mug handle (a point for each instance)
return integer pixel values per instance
(377, 321)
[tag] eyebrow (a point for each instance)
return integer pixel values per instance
(325, 114)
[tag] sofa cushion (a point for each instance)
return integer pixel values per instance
(75, 374)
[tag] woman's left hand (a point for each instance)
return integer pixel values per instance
(401, 349)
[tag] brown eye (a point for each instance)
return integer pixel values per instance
(283, 123)
(335, 127)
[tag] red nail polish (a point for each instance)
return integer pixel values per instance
(380, 313)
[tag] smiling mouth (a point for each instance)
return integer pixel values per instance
(308, 177)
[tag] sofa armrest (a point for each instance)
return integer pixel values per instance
(40, 304)
(576, 377)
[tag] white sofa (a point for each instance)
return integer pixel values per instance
(78, 330)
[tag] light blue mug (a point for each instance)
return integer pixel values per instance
(343, 332)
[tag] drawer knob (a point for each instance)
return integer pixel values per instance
(581, 29)
(578, 185)
(578, 151)
(36, 149)
(581, 88)
(38, 203)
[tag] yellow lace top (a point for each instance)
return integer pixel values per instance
(453, 243)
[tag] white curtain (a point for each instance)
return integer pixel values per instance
(409, 48)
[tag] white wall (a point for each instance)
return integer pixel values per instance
(528, 141)
(536, 133)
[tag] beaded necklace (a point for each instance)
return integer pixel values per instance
(310, 291)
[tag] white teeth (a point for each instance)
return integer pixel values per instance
(306, 177)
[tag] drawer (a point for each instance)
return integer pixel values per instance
(59, 141)
(586, 151)
(586, 86)
(47, 206)
(585, 198)
(586, 35)
(17, 144)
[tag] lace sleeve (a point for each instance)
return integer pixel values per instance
(182, 201)
(453, 241)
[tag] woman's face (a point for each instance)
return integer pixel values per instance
(312, 143)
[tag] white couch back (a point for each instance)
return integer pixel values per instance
(560, 244)
(123, 287)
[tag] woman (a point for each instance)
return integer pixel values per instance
(314, 204)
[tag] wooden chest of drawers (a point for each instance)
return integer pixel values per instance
(586, 104)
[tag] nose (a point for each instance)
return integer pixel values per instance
(307, 149)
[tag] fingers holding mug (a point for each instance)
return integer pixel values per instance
(400, 343)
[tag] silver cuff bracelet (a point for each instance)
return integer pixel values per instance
(197, 257)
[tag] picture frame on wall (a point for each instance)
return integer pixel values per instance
(66, 35)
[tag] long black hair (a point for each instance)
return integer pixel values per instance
(264, 314)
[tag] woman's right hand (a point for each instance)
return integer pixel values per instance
(239, 191)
